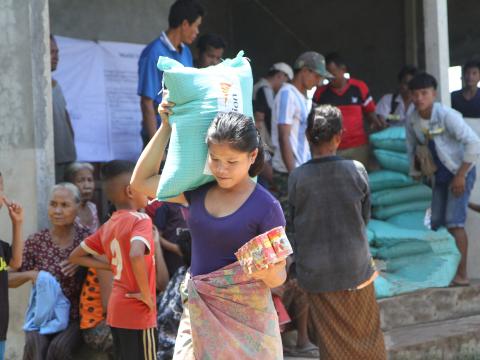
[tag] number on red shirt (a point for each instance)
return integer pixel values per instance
(117, 260)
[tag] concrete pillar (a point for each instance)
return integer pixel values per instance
(26, 130)
(437, 54)
(473, 220)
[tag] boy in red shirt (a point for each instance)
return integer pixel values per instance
(127, 242)
(353, 98)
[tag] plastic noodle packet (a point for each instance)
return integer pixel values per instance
(280, 242)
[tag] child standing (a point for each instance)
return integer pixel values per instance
(81, 174)
(453, 148)
(10, 257)
(127, 241)
(330, 200)
(228, 314)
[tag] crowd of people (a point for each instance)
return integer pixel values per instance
(159, 279)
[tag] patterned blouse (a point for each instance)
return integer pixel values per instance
(40, 253)
(95, 222)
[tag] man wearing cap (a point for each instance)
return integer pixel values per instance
(264, 93)
(289, 122)
(263, 98)
(353, 99)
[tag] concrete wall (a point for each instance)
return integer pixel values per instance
(26, 132)
(138, 21)
(369, 34)
(464, 31)
(268, 30)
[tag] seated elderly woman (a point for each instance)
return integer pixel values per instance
(48, 250)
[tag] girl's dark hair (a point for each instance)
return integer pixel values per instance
(240, 132)
(324, 122)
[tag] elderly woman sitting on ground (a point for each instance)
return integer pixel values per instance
(48, 250)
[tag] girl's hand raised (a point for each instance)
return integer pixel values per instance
(165, 108)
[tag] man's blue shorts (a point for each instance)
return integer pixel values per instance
(447, 209)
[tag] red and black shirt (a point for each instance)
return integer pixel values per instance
(353, 101)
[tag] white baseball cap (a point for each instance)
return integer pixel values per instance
(283, 67)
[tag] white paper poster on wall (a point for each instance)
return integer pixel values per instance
(99, 81)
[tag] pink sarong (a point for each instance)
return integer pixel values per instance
(228, 316)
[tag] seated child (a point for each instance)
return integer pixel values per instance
(10, 257)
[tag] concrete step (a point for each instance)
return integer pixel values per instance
(430, 305)
(457, 339)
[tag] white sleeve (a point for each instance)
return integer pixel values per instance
(384, 105)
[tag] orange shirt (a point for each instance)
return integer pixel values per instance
(113, 239)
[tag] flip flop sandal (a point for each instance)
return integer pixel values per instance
(308, 351)
(455, 284)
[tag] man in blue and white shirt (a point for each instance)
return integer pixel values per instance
(289, 122)
(290, 112)
(184, 21)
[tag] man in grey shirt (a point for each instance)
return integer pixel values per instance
(63, 137)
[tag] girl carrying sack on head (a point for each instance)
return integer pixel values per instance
(228, 314)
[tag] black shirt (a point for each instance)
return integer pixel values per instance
(5, 256)
(468, 108)
(261, 105)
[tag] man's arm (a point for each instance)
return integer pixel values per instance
(259, 118)
(148, 116)
(69, 123)
(458, 182)
(261, 106)
(285, 147)
(411, 148)
(366, 203)
(456, 125)
(383, 107)
(377, 122)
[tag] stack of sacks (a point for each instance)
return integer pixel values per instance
(412, 257)
(393, 191)
(199, 94)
